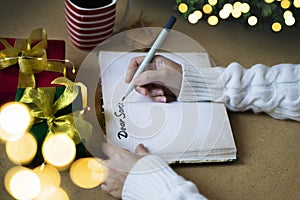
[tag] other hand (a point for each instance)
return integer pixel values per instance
(119, 164)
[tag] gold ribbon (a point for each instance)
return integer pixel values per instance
(43, 107)
(31, 56)
(66, 82)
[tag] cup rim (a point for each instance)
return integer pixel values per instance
(91, 9)
(93, 22)
(87, 29)
(68, 9)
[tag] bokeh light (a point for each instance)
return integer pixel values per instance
(15, 119)
(290, 20)
(213, 2)
(23, 150)
(245, 8)
(182, 8)
(285, 4)
(228, 7)
(224, 14)
(252, 20)
(53, 147)
(296, 3)
(193, 18)
(213, 20)
(22, 183)
(198, 13)
(236, 13)
(276, 27)
(207, 9)
(88, 172)
(269, 1)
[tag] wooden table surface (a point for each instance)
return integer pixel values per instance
(269, 152)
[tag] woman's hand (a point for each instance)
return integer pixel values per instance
(119, 164)
(161, 80)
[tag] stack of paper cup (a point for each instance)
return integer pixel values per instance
(87, 27)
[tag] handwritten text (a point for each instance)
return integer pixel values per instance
(121, 116)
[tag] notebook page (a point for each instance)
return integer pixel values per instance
(172, 129)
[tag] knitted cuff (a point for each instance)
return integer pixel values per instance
(202, 84)
(149, 177)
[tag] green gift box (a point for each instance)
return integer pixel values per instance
(55, 109)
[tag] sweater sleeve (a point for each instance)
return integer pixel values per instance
(151, 178)
(273, 90)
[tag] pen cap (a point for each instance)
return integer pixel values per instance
(170, 22)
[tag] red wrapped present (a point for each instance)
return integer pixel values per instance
(39, 58)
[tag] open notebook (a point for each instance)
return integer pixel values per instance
(177, 131)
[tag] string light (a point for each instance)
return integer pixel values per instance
(193, 18)
(245, 8)
(213, 2)
(11, 114)
(236, 13)
(207, 8)
(252, 20)
(237, 5)
(88, 172)
(182, 8)
(22, 183)
(285, 4)
(296, 3)
(287, 13)
(52, 148)
(228, 7)
(241, 9)
(224, 14)
(290, 20)
(50, 172)
(276, 27)
(23, 150)
(213, 20)
(198, 13)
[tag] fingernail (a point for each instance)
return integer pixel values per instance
(141, 91)
(162, 99)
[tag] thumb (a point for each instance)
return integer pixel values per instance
(141, 149)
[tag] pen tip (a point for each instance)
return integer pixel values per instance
(123, 98)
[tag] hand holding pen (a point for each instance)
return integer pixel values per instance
(161, 80)
(150, 55)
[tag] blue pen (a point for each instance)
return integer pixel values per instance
(156, 45)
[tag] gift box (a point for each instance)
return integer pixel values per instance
(55, 109)
(29, 48)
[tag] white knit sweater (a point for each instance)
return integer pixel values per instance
(152, 179)
(275, 91)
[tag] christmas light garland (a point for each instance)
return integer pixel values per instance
(274, 14)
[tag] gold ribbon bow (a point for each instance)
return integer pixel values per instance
(43, 107)
(31, 56)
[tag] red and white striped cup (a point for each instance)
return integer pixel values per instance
(87, 27)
